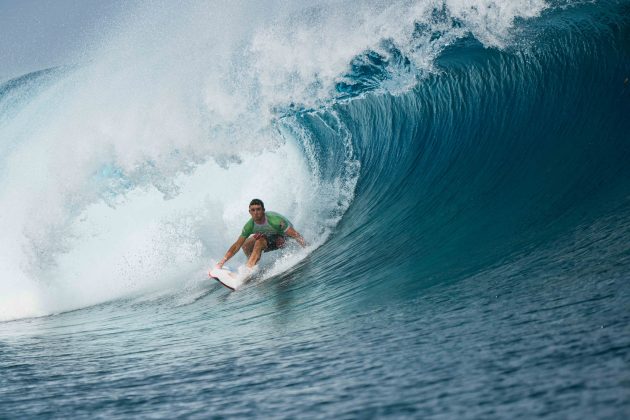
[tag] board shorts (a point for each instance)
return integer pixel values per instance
(273, 241)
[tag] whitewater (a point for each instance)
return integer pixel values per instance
(458, 168)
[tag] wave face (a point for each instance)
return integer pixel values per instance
(460, 170)
(500, 154)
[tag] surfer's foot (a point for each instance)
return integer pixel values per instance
(246, 271)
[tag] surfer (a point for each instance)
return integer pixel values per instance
(268, 231)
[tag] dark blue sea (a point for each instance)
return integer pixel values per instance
(460, 170)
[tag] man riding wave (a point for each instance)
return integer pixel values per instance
(264, 232)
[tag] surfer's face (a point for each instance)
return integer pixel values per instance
(257, 212)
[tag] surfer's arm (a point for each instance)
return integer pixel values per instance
(295, 235)
(233, 250)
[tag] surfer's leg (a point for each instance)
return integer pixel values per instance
(248, 246)
(259, 246)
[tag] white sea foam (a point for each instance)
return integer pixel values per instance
(133, 170)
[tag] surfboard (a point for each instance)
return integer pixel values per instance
(227, 278)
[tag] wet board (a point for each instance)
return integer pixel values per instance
(227, 278)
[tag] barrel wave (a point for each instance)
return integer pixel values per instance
(498, 154)
(459, 169)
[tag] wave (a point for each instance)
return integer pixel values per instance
(500, 155)
(413, 142)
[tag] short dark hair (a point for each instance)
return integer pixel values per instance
(257, 202)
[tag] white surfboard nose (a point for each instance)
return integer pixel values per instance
(227, 278)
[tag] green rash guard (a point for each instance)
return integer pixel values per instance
(275, 224)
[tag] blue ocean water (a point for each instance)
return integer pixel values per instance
(464, 184)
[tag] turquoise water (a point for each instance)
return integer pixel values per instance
(468, 219)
